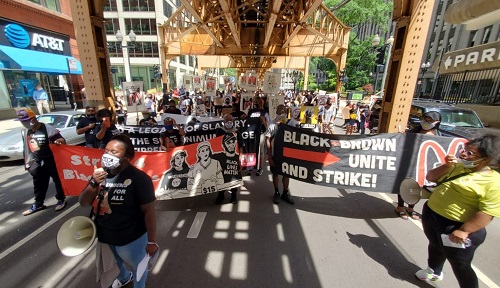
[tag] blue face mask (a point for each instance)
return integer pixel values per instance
(169, 127)
(469, 164)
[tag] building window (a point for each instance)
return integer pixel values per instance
(111, 25)
(145, 49)
(115, 49)
(141, 26)
(486, 35)
(472, 38)
(110, 5)
(167, 9)
(50, 4)
(182, 59)
(138, 5)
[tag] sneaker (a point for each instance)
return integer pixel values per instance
(428, 275)
(60, 205)
(287, 198)
(276, 198)
(34, 208)
(117, 283)
(259, 172)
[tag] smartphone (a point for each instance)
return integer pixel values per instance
(106, 120)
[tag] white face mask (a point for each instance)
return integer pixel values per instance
(427, 125)
(110, 162)
(229, 124)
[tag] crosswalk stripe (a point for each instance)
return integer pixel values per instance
(194, 231)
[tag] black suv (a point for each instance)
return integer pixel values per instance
(455, 121)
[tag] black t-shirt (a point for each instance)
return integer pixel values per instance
(38, 142)
(174, 135)
(172, 111)
(127, 191)
(89, 134)
(110, 132)
(237, 114)
(253, 118)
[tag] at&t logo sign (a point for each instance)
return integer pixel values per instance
(20, 38)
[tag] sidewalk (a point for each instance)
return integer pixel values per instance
(10, 124)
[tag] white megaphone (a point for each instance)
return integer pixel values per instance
(412, 192)
(76, 236)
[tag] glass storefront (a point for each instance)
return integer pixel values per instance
(17, 87)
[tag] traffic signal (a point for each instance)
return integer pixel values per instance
(380, 55)
(342, 74)
(156, 71)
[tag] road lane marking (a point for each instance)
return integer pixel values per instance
(485, 279)
(37, 231)
(194, 231)
(287, 271)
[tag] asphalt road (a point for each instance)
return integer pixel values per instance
(329, 238)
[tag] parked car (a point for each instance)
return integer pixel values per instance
(455, 121)
(11, 143)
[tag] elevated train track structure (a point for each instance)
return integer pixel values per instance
(261, 35)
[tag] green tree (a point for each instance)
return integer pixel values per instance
(360, 55)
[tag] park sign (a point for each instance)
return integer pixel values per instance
(480, 57)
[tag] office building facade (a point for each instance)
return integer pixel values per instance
(143, 17)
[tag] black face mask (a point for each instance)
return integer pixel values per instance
(256, 106)
(91, 116)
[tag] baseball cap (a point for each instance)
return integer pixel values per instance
(25, 115)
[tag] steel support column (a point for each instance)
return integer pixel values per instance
(88, 21)
(413, 19)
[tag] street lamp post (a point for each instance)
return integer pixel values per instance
(389, 43)
(128, 73)
(132, 37)
(424, 67)
(295, 78)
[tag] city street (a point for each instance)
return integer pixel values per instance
(329, 238)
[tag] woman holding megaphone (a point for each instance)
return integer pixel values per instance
(458, 210)
(125, 217)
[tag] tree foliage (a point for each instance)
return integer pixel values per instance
(359, 12)
(361, 55)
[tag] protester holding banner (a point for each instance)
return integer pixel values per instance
(125, 218)
(104, 129)
(171, 137)
(258, 117)
(148, 120)
(39, 160)
(206, 174)
(172, 109)
(457, 212)
(230, 158)
(237, 113)
(86, 125)
(271, 132)
(428, 125)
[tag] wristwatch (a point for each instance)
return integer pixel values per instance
(92, 183)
